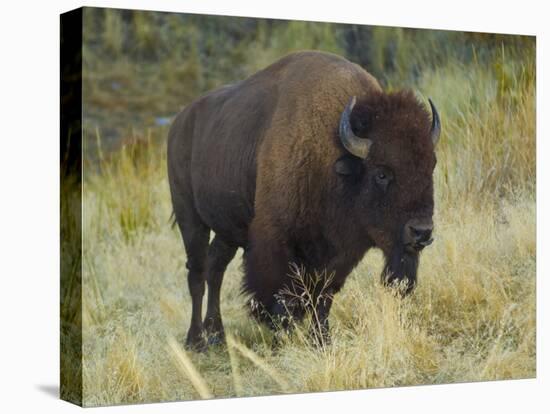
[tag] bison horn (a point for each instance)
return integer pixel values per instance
(436, 124)
(354, 144)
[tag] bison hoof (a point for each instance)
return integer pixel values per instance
(216, 339)
(196, 342)
(321, 342)
(319, 339)
(214, 330)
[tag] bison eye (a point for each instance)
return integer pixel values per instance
(383, 179)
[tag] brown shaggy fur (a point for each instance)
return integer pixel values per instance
(260, 163)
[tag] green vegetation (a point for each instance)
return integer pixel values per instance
(472, 317)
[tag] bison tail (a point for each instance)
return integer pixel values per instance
(172, 219)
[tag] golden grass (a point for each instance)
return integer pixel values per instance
(259, 363)
(188, 369)
(472, 317)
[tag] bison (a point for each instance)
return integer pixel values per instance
(307, 163)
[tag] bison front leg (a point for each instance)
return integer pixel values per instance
(266, 274)
(320, 332)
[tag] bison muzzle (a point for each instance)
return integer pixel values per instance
(305, 165)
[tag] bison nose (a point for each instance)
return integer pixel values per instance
(421, 235)
(418, 234)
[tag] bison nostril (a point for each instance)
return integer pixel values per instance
(421, 235)
(418, 233)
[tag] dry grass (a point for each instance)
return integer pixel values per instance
(472, 317)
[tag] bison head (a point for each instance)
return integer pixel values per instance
(387, 171)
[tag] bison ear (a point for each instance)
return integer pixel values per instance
(348, 166)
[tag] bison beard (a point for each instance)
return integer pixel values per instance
(400, 269)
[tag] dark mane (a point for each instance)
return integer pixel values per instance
(401, 107)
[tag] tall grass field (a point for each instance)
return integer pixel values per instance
(472, 316)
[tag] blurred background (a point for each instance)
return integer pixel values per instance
(142, 67)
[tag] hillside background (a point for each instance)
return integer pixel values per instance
(141, 67)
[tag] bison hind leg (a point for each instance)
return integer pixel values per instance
(195, 235)
(196, 244)
(220, 254)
